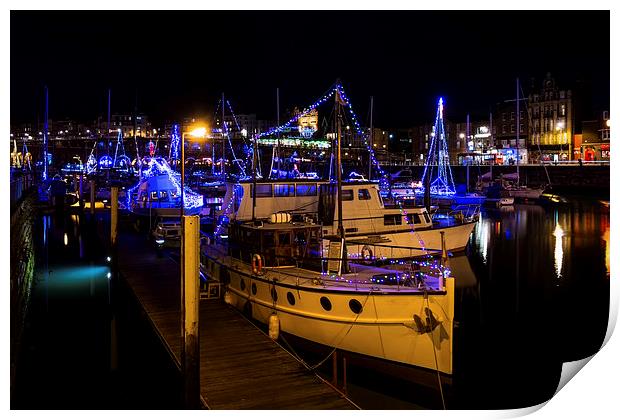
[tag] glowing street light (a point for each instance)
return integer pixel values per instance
(198, 132)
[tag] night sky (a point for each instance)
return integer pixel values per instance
(178, 63)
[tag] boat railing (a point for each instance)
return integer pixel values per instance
(463, 213)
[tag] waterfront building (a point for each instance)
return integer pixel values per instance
(595, 139)
(504, 133)
(127, 123)
(552, 126)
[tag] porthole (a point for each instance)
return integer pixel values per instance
(356, 306)
(290, 297)
(274, 294)
(242, 284)
(326, 304)
(253, 288)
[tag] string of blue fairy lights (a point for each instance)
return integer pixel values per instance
(444, 182)
(159, 166)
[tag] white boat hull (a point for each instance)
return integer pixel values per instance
(409, 243)
(384, 329)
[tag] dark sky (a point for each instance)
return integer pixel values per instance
(178, 63)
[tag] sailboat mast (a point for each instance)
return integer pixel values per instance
(343, 262)
(518, 121)
(338, 166)
(372, 99)
(107, 135)
(223, 168)
(278, 125)
(45, 136)
(254, 161)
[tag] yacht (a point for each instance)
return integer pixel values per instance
(158, 193)
(275, 270)
(373, 229)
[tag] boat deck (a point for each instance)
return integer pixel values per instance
(358, 279)
(240, 366)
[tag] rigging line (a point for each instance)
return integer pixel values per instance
(443, 401)
(345, 335)
(233, 151)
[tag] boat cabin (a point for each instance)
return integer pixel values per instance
(278, 244)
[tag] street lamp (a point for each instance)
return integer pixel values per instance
(198, 132)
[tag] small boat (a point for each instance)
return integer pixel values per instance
(167, 231)
(158, 193)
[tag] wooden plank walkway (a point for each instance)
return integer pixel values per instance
(240, 366)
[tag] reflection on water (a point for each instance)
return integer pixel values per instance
(558, 253)
(519, 321)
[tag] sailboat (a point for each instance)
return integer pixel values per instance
(511, 182)
(277, 270)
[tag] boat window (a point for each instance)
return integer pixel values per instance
(153, 195)
(173, 193)
(163, 195)
(262, 190)
(414, 218)
(327, 203)
(347, 195)
(290, 297)
(392, 219)
(242, 284)
(274, 294)
(363, 194)
(143, 196)
(304, 190)
(284, 238)
(326, 304)
(428, 219)
(284, 190)
(268, 239)
(253, 288)
(355, 306)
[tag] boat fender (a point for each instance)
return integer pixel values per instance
(274, 326)
(257, 264)
(229, 298)
(366, 253)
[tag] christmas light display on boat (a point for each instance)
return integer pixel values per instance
(338, 90)
(442, 182)
(157, 167)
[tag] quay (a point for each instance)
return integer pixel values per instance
(240, 366)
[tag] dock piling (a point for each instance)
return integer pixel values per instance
(191, 300)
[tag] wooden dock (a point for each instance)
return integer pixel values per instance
(240, 366)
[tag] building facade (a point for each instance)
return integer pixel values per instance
(552, 123)
(595, 139)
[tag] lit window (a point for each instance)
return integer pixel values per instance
(347, 195)
(363, 194)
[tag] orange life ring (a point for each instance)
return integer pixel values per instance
(257, 264)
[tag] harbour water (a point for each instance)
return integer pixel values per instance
(532, 292)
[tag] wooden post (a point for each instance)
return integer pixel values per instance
(92, 197)
(191, 287)
(113, 216)
(81, 191)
